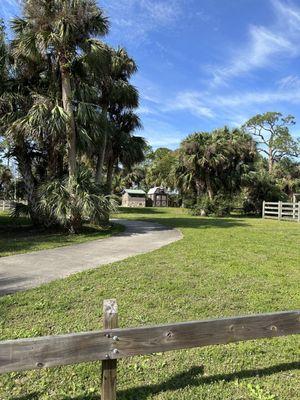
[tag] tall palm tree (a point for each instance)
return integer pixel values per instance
(117, 95)
(124, 147)
(60, 29)
(216, 160)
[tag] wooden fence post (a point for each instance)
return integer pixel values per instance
(109, 367)
(263, 209)
(280, 210)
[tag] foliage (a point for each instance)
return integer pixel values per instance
(221, 268)
(215, 162)
(219, 206)
(260, 186)
(271, 130)
(79, 198)
(66, 103)
(160, 172)
(20, 210)
(6, 182)
(287, 175)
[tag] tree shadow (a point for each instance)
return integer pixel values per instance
(30, 396)
(141, 210)
(192, 378)
(202, 223)
(11, 284)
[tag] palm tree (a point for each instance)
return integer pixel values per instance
(124, 147)
(215, 161)
(60, 29)
(117, 95)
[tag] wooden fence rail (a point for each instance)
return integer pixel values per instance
(282, 211)
(111, 344)
(6, 205)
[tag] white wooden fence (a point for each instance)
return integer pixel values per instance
(6, 205)
(281, 211)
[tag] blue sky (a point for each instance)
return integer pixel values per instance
(204, 64)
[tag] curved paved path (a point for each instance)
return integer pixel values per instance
(24, 271)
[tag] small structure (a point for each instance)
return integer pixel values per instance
(159, 197)
(133, 198)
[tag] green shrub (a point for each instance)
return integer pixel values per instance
(219, 206)
(260, 186)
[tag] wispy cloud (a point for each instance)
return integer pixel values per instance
(266, 45)
(289, 82)
(134, 19)
(8, 9)
(190, 101)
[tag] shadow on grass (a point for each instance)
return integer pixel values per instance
(142, 210)
(204, 223)
(198, 222)
(182, 220)
(23, 239)
(192, 378)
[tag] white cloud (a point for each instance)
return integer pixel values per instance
(9, 9)
(266, 46)
(192, 102)
(144, 110)
(134, 19)
(289, 82)
(288, 15)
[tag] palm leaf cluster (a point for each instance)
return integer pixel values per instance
(215, 162)
(67, 106)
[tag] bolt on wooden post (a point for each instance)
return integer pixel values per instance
(109, 367)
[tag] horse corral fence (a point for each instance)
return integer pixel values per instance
(112, 343)
(282, 211)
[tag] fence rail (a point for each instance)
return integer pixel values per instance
(281, 211)
(6, 205)
(111, 344)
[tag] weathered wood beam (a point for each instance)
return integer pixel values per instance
(26, 354)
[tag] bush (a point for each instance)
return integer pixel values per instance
(69, 203)
(219, 206)
(260, 186)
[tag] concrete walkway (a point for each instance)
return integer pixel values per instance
(24, 271)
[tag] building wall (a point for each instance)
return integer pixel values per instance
(128, 201)
(159, 200)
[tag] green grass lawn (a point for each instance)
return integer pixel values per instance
(222, 267)
(17, 236)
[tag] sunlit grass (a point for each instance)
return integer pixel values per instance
(222, 267)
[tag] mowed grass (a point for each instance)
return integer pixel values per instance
(221, 267)
(17, 236)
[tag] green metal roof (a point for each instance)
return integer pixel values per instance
(134, 191)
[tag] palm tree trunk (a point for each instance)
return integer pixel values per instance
(100, 161)
(109, 178)
(209, 187)
(101, 154)
(24, 165)
(199, 187)
(68, 107)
